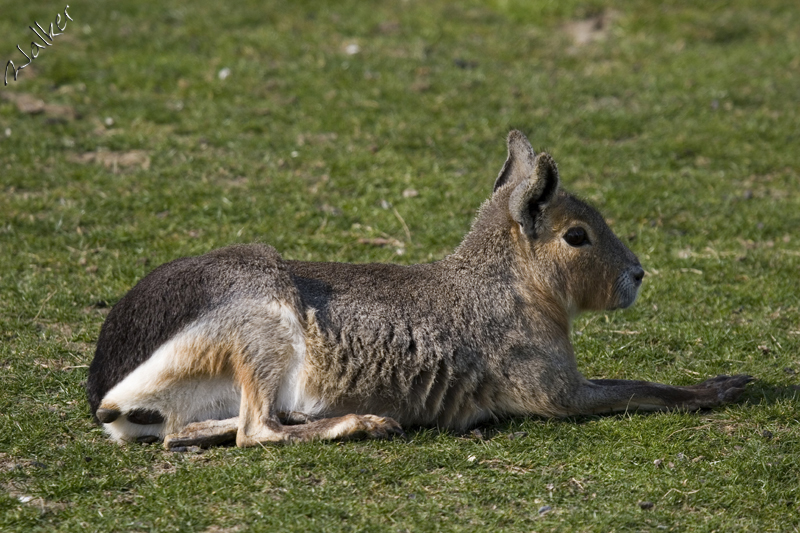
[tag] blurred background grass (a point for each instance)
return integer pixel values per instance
(153, 130)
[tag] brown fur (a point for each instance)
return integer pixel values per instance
(481, 334)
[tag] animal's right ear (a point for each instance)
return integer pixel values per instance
(530, 198)
(520, 162)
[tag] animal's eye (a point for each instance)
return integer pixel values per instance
(576, 236)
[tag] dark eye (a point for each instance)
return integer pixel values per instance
(576, 236)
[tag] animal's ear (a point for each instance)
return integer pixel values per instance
(520, 161)
(530, 197)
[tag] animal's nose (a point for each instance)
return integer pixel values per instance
(638, 274)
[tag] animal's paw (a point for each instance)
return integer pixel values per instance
(379, 427)
(723, 389)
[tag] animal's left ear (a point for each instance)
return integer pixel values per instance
(530, 197)
(520, 162)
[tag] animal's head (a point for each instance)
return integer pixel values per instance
(564, 245)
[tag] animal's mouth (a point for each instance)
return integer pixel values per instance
(628, 301)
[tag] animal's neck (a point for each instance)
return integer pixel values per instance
(494, 247)
(488, 244)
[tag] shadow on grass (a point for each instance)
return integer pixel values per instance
(765, 393)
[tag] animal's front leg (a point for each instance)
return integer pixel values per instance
(614, 395)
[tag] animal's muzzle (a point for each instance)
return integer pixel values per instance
(627, 286)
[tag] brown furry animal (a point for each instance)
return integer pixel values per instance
(241, 344)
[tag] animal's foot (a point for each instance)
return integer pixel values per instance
(379, 427)
(346, 427)
(721, 389)
(203, 434)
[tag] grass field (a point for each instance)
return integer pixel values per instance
(371, 131)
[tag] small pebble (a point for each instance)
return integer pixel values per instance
(646, 506)
(224, 73)
(544, 509)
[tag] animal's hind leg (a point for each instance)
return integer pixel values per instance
(204, 434)
(271, 377)
(261, 423)
(261, 365)
(294, 418)
(260, 420)
(350, 426)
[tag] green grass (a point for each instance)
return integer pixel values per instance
(680, 123)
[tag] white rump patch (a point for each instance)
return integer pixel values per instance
(166, 383)
(160, 384)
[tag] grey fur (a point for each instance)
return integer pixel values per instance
(518, 165)
(528, 198)
(481, 334)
